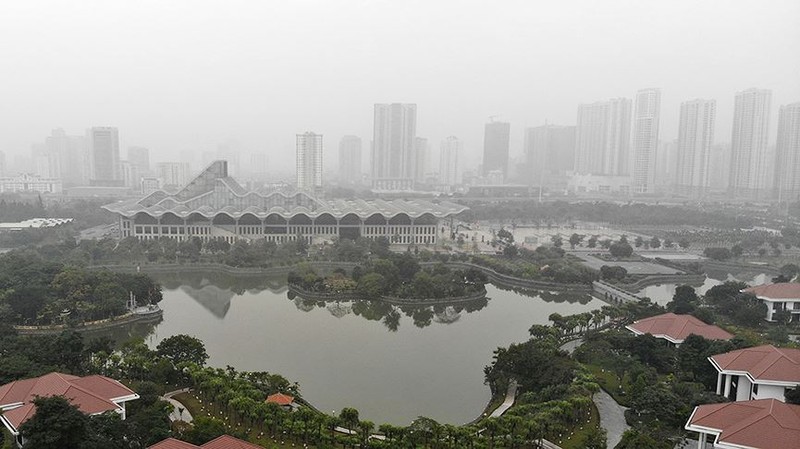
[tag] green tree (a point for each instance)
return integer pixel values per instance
(655, 242)
(371, 285)
(183, 349)
(56, 424)
(204, 429)
(620, 249)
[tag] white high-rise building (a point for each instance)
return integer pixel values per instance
(787, 164)
(421, 158)
(449, 153)
(603, 138)
(394, 146)
(2, 164)
(695, 139)
(170, 174)
(309, 161)
(645, 139)
(104, 156)
(749, 143)
(350, 160)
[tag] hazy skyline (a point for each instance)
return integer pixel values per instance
(182, 76)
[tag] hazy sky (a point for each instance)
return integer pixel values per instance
(178, 76)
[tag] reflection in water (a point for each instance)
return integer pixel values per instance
(391, 362)
(663, 293)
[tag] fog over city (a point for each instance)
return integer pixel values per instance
(182, 77)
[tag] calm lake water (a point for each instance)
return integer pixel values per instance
(663, 293)
(391, 364)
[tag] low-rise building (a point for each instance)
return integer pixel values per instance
(92, 395)
(779, 297)
(30, 183)
(675, 328)
(223, 442)
(762, 372)
(761, 424)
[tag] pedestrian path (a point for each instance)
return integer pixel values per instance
(511, 394)
(612, 417)
(179, 411)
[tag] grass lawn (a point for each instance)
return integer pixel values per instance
(196, 408)
(610, 383)
(576, 439)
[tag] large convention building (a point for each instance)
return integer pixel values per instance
(215, 206)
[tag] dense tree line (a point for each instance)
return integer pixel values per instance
(36, 291)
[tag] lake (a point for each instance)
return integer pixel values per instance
(663, 293)
(392, 364)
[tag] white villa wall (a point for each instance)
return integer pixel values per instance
(770, 392)
(743, 387)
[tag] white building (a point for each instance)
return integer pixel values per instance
(695, 139)
(645, 139)
(603, 138)
(748, 176)
(309, 161)
(587, 183)
(173, 174)
(784, 296)
(30, 183)
(787, 164)
(350, 160)
(421, 159)
(449, 152)
(393, 147)
(762, 372)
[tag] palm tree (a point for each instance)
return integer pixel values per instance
(366, 428)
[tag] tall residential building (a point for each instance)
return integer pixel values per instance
(46, 162)
(449, 153)
(549, 152)
(139, 158)
(749, 143)
(695, 140)
(495, 148)
(350, 160)
(72, 157)
(787, 164)
(645, 139)
(170, 174)
(394, 146)
(421, 158)
(309, 161)
(2, 164)
(104, 156)
(603, 138)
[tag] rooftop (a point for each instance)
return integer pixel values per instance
(676, 328)
(91, 394)
(763, 424)
(783, 290)
(280, 399)
(223, 442)
(762, 363)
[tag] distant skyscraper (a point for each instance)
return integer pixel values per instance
(496, 138)
(2, 164)
(695, 139)
(549, 151)
(72, 157)
(309, 161)
(104, 146)
(139, 157)
(602, 138)
(787, 164)
(350, 160)
(449, 154)
(421, 158)
(645, 139)
(749, 142)
(393, 146)
(720, 166)
(171, 174)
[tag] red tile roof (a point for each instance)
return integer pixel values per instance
(223, 442)
(280, 399)
(172, 443)
(92, 394)
(783, 290)
(763, 363)
(229, 442)
(763, 424)
(677, 327)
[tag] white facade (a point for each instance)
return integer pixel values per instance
(749, 143)
(580, 183)
(393, 147)
(421, 158)
(787, 164)
(309, 161)
(30, 183)
(741, 386)
(350, 160)
(449, 153)
(602, 138)
(695, 139)
(645, 139)
(172, 174)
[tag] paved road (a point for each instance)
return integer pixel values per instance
(612, 417)
(176, 414)
(510, 395)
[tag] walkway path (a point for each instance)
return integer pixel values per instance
(511, 394)
(612, 417)
(179, 412)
